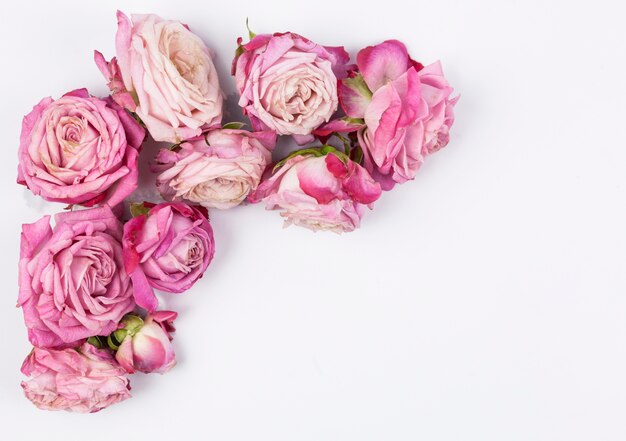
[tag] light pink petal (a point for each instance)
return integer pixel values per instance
(382, 63)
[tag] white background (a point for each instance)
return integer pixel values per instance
(486, 300)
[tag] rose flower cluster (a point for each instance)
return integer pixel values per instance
(88, 275)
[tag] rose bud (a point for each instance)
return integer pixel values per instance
(320, 189)
(164, 73)
(167, 247)
(146, 345)
(216, 170)
(86, 379)
(287, 83)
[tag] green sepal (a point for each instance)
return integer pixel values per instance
(240, 50)
(314, 151)
(235, 125)
(116, 338)
(138, 209)
(96, 341)
(357, 83)
(341, 155)
(356, 121)
(250, 33)
(132, 324)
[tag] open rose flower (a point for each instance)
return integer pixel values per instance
(76, 380)
(319, 190)
(72, 282)
(168, 248)
(216, 170)
(164, 73)
(147, 345)
(288, 83)
(406, 111)
(79, 149)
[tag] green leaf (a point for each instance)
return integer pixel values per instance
(138, 209)
(236, 125)
(315, 151)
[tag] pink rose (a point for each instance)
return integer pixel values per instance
(72, 282)
(287, 83)
(77, 380)
(169, 248)
(319, 191)
(216, 170)
(406, 109)
(165, 74)
(79, 149)
(147, 346)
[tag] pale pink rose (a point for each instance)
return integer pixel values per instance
(79, 149)
(402, 111)
(287, 83)
(147, 346)
(164, 73)
(72, 282)
(168, 248)
(85, 379)
(319, 191)
(216, 170)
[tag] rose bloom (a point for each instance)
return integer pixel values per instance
(148, 348)
(406, 108)
(319, 192)
(169, 248)
(72, 282)
(216, 170)
(86, 379)
(287, 83)
(79, 149)
(165, 74)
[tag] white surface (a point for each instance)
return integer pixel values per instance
(486, 300)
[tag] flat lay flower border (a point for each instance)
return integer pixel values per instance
(88, 276)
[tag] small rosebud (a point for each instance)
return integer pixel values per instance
(147, 346)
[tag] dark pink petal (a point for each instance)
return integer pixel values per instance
(361, 187)
(33, 235)
(316, 180)
(126, 185)
(143, 292)
(336, 166)
(339, 59)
